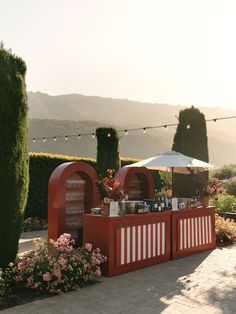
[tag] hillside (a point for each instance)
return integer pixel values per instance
(74, 114)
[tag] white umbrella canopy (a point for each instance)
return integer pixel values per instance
(174, 162)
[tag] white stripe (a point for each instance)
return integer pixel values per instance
(181, 234)
(203, 231)
(199, 230)
(189, 244)
(206, 227)
(192, 232)
(163, 238)
(158, 239)
(185, 245)
(128, 244)
(144, 241)
(122, 255)
(149, 241)
(133, 244)
(209, 221)
(154, 239)
(196, 231)
(139, 243)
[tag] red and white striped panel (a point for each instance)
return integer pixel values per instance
(137, 243)
(194, 232)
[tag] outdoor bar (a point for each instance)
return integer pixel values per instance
(133, 227)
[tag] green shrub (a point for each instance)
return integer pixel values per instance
(230, 186)
(14, 171)
(108, 155)
(224, 203)
(41, 167)
(225, 172)
(225, 231)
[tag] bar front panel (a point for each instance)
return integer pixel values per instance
(193, 231)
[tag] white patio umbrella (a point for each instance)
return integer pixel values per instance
(174, 162)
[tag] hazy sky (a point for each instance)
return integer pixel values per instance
(171, 51)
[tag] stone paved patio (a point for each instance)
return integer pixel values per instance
(201, 283)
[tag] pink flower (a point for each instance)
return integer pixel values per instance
(88, 247)
(47, 277)
(98, 272)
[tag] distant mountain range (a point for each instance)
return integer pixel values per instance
(74, 114)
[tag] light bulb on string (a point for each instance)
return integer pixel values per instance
(93, 135)
(214, 120)
(188, 126)
(66, 138)
(55, 139)
(108, 134)
(144, 130)
(44, 139)
(165, 127)
(34, 140)
(126, 132)
(79, 136)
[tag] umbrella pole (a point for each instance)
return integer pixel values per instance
(172, 180)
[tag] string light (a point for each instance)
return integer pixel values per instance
(125, 130)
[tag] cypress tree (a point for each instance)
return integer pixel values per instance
(108, 155)
(190, 139)
(14, 176)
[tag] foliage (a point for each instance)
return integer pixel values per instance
(190, 139)
(213, 188)
(41, 167)
(33, 224)
(224, 203)
(230, 186)
(225, 231)
(109, 188)
(54, 268)
(14, 175)
(108, 155)
(225, 172)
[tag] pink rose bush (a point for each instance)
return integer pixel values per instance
(53, 268)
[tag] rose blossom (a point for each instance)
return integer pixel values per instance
(47, 277)
(88, 247)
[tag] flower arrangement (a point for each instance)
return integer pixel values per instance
(53, 268)
(213, 188)
(109, 188)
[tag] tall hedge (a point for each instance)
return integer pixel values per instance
(14, 175)
(108, 155)
(41, 167)
(190, 139)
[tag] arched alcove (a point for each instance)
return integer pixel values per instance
(137, 182)
(71, 193)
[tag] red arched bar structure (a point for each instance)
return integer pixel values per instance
(137, 182)
(71, 193)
